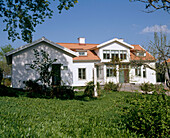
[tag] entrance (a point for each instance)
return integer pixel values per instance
(56, 74)
(124, 74)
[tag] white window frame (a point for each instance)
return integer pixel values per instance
(114, 52)
(82, 53)
(110, 70)
(27, 66)
(82, 73)
(138, 71)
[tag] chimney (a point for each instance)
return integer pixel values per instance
(81, 40)
(121, 39)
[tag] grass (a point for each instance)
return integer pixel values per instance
(29, 117)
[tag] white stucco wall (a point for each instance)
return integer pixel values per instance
(150, 75)
(20, 73)
(89, 73)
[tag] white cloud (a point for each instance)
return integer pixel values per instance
(156, 28)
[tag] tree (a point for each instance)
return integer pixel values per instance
(156, 4)
(25, 15)
(3, 63)
(43, 65)
(161, 50)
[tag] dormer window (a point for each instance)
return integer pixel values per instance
(82, 52)
(141, 53)
(115, 54)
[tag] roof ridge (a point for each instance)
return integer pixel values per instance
(78, 43)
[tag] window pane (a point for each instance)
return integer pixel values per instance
(82, 73)
(144, 72)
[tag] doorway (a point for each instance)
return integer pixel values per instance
(124, 74)
(56, 74)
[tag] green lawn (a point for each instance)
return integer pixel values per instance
(29, 117)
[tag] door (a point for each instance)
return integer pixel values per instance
(121, 76)
(126, 75)
(56, 74)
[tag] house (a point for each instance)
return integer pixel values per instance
(76, 62)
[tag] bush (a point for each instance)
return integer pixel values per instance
(89, 90)
(110, 86)
(63, 92)
(1, 75)
(7, 82)
(148, 115)
(147, 87)
(11, 92)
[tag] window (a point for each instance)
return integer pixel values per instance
(106, 54)
(82, 53)
(123, 54)
(82, 73)
(138, 71)
(27, 66)
(144, 72)
(111, 71)
(115, 54)
(65, 67)
(141, 54)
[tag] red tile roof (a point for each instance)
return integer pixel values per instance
(168, 60)
(91, 55)
(139, 48)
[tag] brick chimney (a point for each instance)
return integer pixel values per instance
(81, 40)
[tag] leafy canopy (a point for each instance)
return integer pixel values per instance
(22, 16)
(156, 4)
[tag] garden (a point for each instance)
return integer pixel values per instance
(112, 114)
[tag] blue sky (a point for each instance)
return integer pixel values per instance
(99, 21)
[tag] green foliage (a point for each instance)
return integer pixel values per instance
(33, 86)
(11, 92)
(89, 90)
(7, 82)
(22, 16)
(1, 75)
(147, 87)
(3, 63)
(34, 117)
(110, 86)
(43, 64)
(148, 115)
(153, 5)
(63, 92)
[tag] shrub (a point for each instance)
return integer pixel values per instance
(63, 92)
(7, 82)
(110, 86)
(147, 87)
(148, 115)
(89, 90)
(11, 92)
(1, 75)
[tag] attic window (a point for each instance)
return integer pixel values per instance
(141, 54)
(82, 53)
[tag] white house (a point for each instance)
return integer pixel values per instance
(76, 62)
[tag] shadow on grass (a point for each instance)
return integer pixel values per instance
(14, 92)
